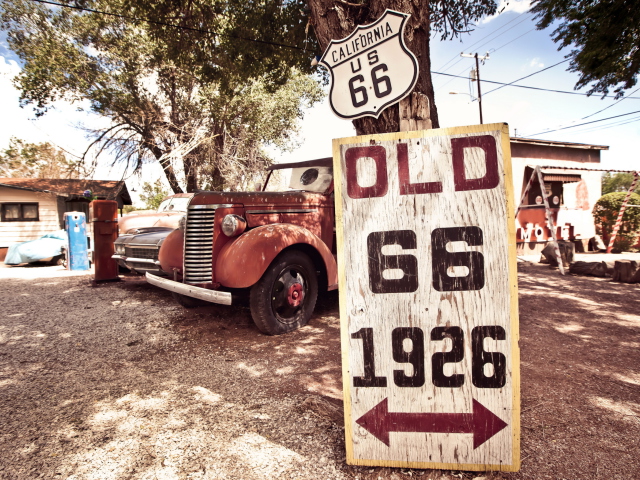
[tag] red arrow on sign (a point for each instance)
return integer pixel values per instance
(482, 423)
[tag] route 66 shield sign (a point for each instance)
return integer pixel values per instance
(372, 68)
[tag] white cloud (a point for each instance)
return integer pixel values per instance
(536, 63)
(516, 6)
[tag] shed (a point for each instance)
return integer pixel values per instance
(32, 207)
(573, 190)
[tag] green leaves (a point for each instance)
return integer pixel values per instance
(605, 214)
(181, 80)
(37, 160)
(620, 182)
(604, 37)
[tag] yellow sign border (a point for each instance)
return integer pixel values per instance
(513, 287)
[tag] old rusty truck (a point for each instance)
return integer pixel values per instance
(276, 248)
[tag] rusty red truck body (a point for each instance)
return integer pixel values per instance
(279, 247)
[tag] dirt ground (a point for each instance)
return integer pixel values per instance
(119, 382)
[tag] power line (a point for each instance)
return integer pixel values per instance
(531, 88)
(487, 35)
(585, 123)
(615, 103)
(172, 25)
(597, 128)
(530, 75)
(511, 41)
(53, 142)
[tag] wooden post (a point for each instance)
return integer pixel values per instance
(414, 113)
(547, 213)
(626, 271)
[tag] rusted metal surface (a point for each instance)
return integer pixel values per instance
(171, 252)
(169, 219)
(249, 199)
(104, 214)
(242, 262)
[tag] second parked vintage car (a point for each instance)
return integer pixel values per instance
(142, 234)
(279, 247)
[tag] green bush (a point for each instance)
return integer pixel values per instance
(129, 208)
(605, 214)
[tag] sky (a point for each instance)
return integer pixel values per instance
(515, 48)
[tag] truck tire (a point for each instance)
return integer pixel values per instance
(188, 302)
(284, 298)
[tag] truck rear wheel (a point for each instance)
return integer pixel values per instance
(284, 298)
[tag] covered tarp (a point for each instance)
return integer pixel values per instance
(47, 246)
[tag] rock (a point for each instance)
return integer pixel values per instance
(567, 252)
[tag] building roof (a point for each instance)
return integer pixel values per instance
(551, 143)
(103, 189)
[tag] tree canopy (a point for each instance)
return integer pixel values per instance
(199, 86)
(37, 160)
(620, 182)
(605, 214)
(333, 19)
(603, 36)
(152, 195)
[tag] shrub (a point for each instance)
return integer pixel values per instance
(605, 214)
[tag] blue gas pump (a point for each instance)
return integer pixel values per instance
(75, 224)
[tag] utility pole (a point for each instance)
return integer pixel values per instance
(483, 58)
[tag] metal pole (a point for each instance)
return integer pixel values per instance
(478, 80)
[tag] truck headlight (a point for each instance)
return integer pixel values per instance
(233, 225)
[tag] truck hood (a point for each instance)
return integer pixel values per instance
(272, 200)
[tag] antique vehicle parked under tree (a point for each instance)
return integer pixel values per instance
(279, 247)
(142, 234)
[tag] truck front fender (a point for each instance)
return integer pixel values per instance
(244, 260)
(171, 252)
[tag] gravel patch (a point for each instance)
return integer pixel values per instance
(117, 381)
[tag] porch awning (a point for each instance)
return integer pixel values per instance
(555, 176)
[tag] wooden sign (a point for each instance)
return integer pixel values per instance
(428, 298)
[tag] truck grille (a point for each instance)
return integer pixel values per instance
(198, 243)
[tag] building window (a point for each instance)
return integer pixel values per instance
(20, 212)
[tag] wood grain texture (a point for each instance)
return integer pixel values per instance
(416, 379)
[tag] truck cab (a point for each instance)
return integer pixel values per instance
(277, 246)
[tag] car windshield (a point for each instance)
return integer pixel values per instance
(163, 206)
(308, 179)
(179, 204)
(174, 204)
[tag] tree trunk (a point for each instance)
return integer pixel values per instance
(626, 271)
(166, 166)
(190, 163)
(335, 19)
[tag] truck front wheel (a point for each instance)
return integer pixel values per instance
(284, 298)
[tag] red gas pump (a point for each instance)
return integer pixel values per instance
(104, 216)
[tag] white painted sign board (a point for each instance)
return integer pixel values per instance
(372, 68)
(428, 298)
